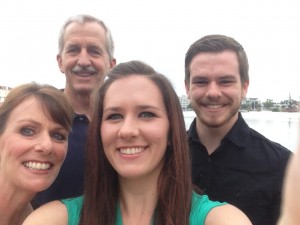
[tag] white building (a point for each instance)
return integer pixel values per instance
(3, 92)
(184, 101)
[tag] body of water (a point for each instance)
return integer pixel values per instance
(281, 127)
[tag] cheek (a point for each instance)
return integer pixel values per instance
(108, 139)
(100, 65)
(107, 133)
(160, 134)
(68, 63)
(60, 150)
(10, 151)
(238, 94)
(196, 92)
(12, 148)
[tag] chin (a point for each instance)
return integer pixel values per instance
(215, 123)
(39, 185)
(84, 90)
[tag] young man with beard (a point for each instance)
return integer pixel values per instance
(85, 55)
(230, 161)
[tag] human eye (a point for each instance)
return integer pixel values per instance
(147, 115)
(226, 81)
(114, 117)
(200, 81)
(95, 51)
(27, 131)
(72, 49)
(58, 136)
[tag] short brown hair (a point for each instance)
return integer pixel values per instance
(217, 43)
(52, 100)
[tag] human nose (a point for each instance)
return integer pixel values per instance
(128, 129)
(84, 59)
(44, 144)
(213, 90)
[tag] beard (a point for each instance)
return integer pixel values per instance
(218, 120)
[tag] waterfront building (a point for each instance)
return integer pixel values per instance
(184, 102)
(3, 92)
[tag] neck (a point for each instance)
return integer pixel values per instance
(138, 209)
(138, 200)
(79, 102)
(211, 137)
(14, 204)
(14, 209)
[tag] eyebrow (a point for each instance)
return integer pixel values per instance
(75, 44)
(140, 107)
(26, 120)
(203, 77)
(57, 126)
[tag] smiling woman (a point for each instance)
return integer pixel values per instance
(35, 121)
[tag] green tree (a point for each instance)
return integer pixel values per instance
(268, 104)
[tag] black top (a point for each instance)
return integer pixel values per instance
(70, 180)
(246, 170)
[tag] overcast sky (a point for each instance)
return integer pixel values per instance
(159, 33)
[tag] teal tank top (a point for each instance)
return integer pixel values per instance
(201, 206)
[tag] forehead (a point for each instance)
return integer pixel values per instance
(218, 63)
(134, 87)
(87, 31)
(27, 106)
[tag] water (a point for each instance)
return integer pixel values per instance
(281, 127)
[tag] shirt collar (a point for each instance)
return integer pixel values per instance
(238, 134)
(80, 117)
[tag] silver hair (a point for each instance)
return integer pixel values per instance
(84, 19)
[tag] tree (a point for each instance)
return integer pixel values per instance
(268, 104)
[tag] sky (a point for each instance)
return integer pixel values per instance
(158, 32)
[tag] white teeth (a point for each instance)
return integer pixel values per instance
(131, 151)
(84, 74)
(214, 106)
(37, 165)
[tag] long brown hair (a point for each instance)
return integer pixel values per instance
(101, 193)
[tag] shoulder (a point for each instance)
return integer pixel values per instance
(202, 202)
(51, 213)
(226, 215)
(205, 211)
(74, 206)
(267, 147)
(201, 206)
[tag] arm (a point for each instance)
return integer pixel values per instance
(51, 213)
(226, 215)
(291, 199)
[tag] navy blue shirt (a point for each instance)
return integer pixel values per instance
(70, 180)
(246, 170)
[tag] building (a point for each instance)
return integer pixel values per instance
(251, 104)
(3, 92)
(184, 102)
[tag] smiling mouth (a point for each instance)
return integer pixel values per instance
(37, 165)
(131, 151)
(85, 74)
(214, 106)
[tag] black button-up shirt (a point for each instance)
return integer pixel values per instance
(246, 170)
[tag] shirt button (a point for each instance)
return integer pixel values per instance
(209, 159)
(237, 194)
(204, 189)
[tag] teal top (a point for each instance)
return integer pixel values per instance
(201, 206)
